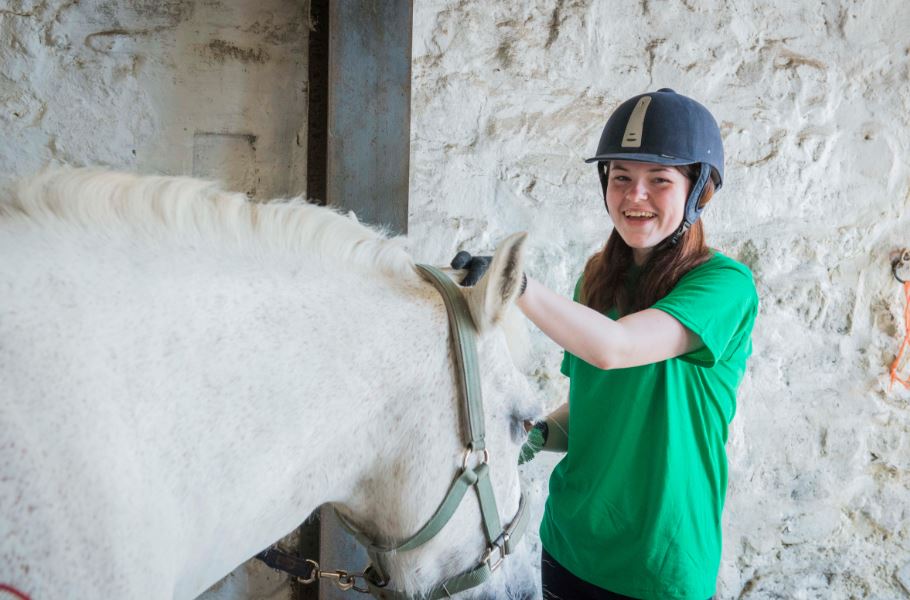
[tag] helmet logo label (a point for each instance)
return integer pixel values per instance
(632, 137)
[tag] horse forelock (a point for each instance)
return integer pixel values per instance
(163, 206)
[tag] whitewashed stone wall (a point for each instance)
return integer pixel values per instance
(215, 89)
(813, 99)
(508, 97)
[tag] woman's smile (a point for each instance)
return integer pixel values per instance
(639, 217)
(647, 202)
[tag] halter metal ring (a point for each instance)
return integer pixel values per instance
(467, 455)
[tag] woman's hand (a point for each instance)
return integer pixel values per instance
(532, 446)
(476, 266)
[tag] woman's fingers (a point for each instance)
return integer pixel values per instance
(461, 260)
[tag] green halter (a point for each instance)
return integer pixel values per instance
(500, 541)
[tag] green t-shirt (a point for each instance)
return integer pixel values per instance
(635, 504)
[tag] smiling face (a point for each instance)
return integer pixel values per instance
(647, 203)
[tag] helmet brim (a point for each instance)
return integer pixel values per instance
(668, 161)
(651, 158)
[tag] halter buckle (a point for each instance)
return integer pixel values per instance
(500, 546)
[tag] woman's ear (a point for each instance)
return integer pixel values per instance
(491, 298)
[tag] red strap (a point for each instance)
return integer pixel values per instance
(11, 590)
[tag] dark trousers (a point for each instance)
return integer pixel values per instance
(560, 584)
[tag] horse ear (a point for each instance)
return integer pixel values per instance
(491, 298)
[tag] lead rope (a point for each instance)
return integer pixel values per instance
(306, 571)
(896, 365)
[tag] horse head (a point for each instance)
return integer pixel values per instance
(417, 549)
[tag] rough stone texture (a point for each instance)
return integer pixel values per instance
(813, 99)
(215, 89)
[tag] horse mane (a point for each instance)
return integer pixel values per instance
(152, 205)
(99, 199)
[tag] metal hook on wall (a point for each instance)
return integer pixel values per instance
(900, 265)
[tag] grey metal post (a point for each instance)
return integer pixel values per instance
(367, 158)
(370, 109)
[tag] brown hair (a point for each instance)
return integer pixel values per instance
(606, 274)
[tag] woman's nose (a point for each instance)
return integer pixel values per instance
(637, 191)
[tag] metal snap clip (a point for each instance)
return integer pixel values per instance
(900, 265)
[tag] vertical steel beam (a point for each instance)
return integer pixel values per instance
(317, 100)
(367, 159)
(370, 109)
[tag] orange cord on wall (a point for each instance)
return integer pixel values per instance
(904, 344)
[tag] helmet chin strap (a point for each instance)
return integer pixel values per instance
(673, 239)
(602, 175)
(693, 211)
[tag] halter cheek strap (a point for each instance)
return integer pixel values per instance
(500, 541)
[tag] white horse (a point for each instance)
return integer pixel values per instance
(185, 376)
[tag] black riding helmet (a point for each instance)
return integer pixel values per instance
(669, 129)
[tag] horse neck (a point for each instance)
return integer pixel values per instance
(327, 392)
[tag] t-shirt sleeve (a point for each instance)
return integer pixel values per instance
(719, 304)
(566, 356)
(564, 367)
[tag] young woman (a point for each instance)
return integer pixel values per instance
(656, 342)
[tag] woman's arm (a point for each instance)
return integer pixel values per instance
(558, 429)
(641, 338)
